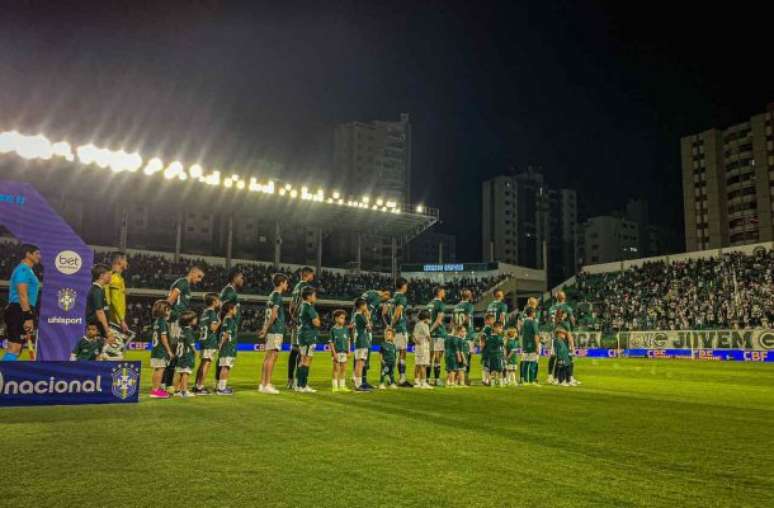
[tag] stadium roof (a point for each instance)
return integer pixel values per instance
(28, 157)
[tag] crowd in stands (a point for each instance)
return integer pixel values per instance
(158, 272)
(733, 291)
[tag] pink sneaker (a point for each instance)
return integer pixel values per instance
(159, 394)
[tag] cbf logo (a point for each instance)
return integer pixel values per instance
(68, 262)
(66, 298)
(126, 379)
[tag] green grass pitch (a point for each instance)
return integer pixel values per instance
(637, 433)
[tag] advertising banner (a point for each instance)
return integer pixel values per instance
(746, 340)
(54, 383)
(66, 261)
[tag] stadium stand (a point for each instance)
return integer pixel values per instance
(730, 291)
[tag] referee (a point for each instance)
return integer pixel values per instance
(22, 298)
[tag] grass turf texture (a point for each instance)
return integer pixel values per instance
(638, 432)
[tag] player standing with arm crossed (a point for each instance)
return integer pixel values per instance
(274, 332)
(307, 276)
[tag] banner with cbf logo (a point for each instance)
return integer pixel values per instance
(54, 383)
(66, 260)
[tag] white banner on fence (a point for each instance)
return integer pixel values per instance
(750, 340)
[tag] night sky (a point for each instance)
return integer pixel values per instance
(598, 94)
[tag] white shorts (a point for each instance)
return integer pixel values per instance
(401, 341)
(273, 342)
(439, 344)
(529, 357)
(510, 367)
(226, 361)
(422, 355)
(361, 353)
(159, 363)
(307, 350)
(181, 370)
(208, 354)
(340, 358)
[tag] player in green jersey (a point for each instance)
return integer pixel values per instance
(498, 307)
(339, 346)
(454, 358)
(377, 301)
(389, 353)
(89, 348)
(306, 278)
(495, 356)
(463, 314)
(227, 347)
(96, 304)
(530, 335)
(209, 324)
(437, 330)
(361, 322)
(186, 353)
(399, 323)
(567, 323)
(562, 352)
(511, 356)
(179, 297)
(161, 351)
(308, 334)
(486, 330)
(273, 331)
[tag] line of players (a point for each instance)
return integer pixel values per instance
(176, 329)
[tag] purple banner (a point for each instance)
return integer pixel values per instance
(66, 261)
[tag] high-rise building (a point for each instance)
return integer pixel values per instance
(728, 184)
(375, 155)
(521, 215)
(608, 238)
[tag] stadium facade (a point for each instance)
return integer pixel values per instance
(728, 184)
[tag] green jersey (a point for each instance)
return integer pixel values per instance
(530, 334)
(400, 300)
(88, 349)
(183, 300)
(389, 353)
(207, 338)
(486, 331)
(463, 314)
(229, 294)
(562, 351)
(186, 353)
(452, 345)
(436, 307)
(228, 330)
(362, 333)
(568, 315)
(340, 339)
(500, 309)
(275, 302)
(511, 345)
(96, 301)
(296, 300)
(494, 346)
(160, 328)
(374, 301)
(307, 332)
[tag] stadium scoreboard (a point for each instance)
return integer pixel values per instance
(449, 267)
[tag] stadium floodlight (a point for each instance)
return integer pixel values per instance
(282, 191)
(391, 204)
(269, 187)
(154, 166)
(228, 183)
(87, 154)
(340, 202)
(174, 169)
(336, 195)
(420, 209)
(240, 184)
(61, 149)
(380, 202)
(34, 147)
(195, 171)
(366, 199)
(8, 141)
(133, 162)
(288, 186)
(294, 193)
(183, 176)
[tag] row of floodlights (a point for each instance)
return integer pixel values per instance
(40, 147)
